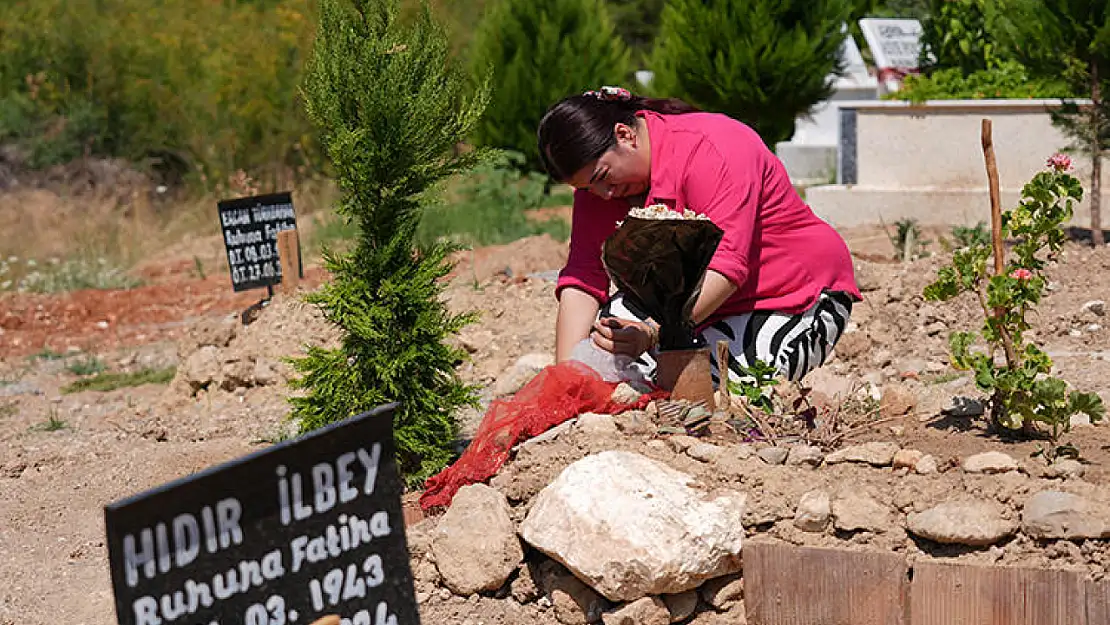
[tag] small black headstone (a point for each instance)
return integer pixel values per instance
(301, 530)
(250, 228)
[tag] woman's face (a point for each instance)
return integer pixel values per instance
(624, 170)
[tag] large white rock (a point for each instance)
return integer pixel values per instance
(475, 544)
(631, 527)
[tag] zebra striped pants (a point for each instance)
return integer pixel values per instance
(793, 344)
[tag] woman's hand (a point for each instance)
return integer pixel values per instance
(620, 336)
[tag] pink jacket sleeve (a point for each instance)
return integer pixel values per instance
(593, 220)
(727, 193)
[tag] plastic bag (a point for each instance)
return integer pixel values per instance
(611, 367)
(559, 393)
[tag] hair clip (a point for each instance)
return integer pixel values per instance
(610, 93)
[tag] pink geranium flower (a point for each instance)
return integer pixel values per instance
(1021, 274)
(1059, 162)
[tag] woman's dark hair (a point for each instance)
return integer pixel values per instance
(579, 129)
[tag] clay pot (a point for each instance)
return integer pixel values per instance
(686, 373)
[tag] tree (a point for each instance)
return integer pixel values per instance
(390, 108)
(1071, 38)
(956, 35)
(637, 24)
(764, 62)
(540, 52)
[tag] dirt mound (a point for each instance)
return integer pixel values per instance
(223, 354)
(865, 497)
(513, 260)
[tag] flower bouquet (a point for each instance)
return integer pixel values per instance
(658, 258)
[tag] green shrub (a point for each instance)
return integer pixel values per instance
(1009, 80)
(88, 365)
(179, 86)
(764, 62)
(391, 109)
(1024, 394)
(540, 52)
(957, 35)
(491, 206)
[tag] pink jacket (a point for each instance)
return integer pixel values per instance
(775, 249)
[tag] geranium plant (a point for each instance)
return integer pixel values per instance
(1022, 393)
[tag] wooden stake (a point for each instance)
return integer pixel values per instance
(289, 252)
(996, 201)
(724, 398)
(330, 619)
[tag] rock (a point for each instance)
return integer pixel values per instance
(743, 451)
(1095, 307)
(933, 366)
(624, 394)
(425, 572)
(1080, 419)
(910, 367)
(551, 434)
(201, 368)
(682, 605)
(854, 512)
(773, 455)
(236, 373)
(907, 458)
(630, 526)
(935, 328)
(523, 588)
(597, 425)
(705, 452)
(852, 345)
(805, 455)
(824, 380)
(475, 544)
(813, 512)
(1092, 327)
(875, 454)
(868, 277)
(990, 462)
(644, 611)
(973, 523)
(680, 442)
(881, 358)
(634, 423)
(1067, 468)
(575, 603)
(515, 377)
(926, 466)
(897, 400)
(964, 407)
(265, 373)
(723, 591)
(1055, 514)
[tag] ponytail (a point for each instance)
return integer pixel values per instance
(579, 129)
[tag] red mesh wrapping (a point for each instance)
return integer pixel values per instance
(559, 393)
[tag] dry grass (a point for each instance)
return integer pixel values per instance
(120, 231)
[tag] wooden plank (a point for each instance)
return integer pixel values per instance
(788, 585)
(1098, 602)
(289, 254)
(951, 594)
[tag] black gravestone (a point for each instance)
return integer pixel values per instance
(301, 530)
(250, 228)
